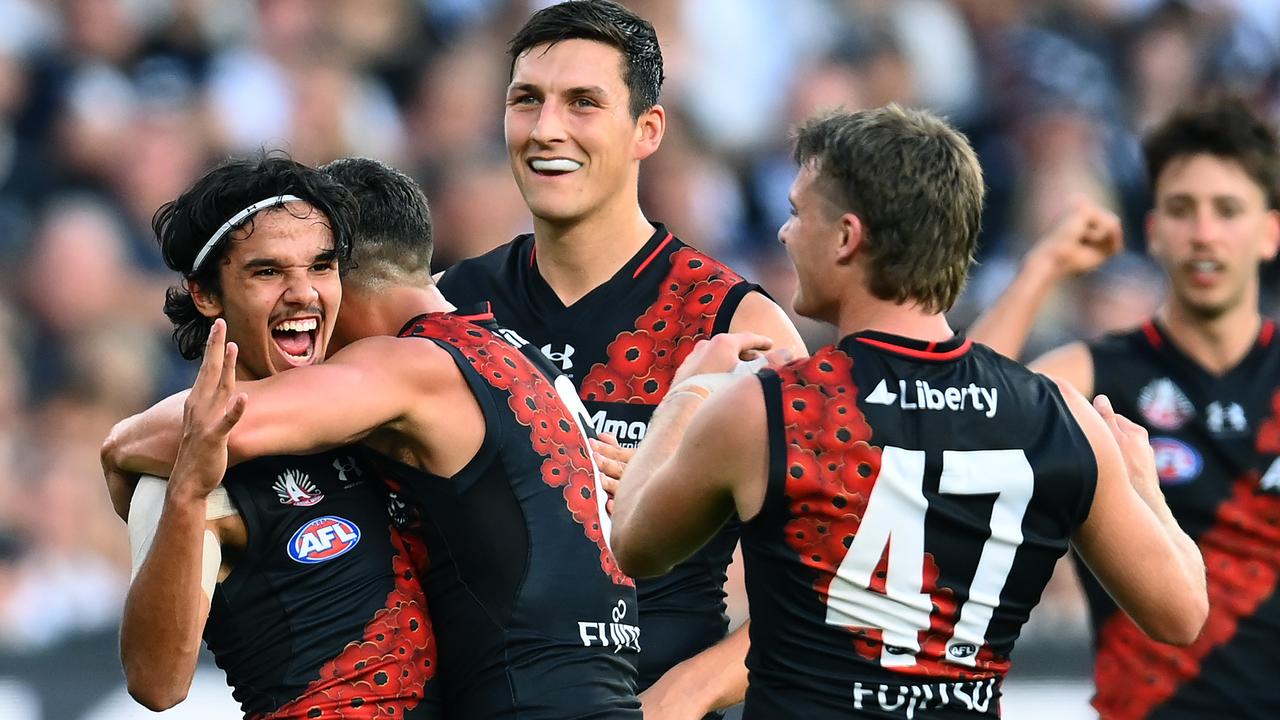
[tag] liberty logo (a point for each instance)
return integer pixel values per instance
(295, 488)
(560, 358)
(920, 395)
(343, 469)
(881, 395)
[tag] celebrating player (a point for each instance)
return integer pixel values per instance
(258, 244)
(1203, 378)
(905, 493)
(481, 444)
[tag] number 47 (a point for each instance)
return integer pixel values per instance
(896, 510)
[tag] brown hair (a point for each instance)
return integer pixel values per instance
(915, 183)
(1225, 128)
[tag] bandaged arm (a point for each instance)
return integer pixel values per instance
(177, 556)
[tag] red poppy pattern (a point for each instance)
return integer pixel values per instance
(1135, 674)
(1268, 438)
(385, 673)
(553, 434)
(831, 468)
(641, 362)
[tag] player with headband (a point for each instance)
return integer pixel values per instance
(289, 567)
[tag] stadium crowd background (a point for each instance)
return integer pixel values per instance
(109, 108)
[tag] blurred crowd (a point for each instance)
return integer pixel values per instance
(109, 108)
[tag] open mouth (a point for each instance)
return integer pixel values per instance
(1204, 272)
(554, 167)
(296, 338)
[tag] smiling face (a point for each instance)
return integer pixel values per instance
(280, 290)
(573, 144)
(1210, 229)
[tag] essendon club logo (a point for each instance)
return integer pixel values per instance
(323, 539)
(1164, 405)
(295, 488)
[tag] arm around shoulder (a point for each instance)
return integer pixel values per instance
(371, 384)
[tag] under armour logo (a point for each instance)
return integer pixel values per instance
(1226, 417)
(560, 358)
(343, 469)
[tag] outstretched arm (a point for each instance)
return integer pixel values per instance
(168, 600)
(1130, 540)
(1079, 243)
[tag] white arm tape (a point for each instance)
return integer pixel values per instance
(144, 519)
(711, 382)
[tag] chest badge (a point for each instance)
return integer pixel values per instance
(322, 539)
(1176, 461)
(293, 487)
(1164, 405)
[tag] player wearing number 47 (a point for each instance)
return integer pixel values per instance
(896, 531)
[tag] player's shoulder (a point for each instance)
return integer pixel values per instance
(687, 260)
(1125, 341)
(829, 365)
(1014, 372)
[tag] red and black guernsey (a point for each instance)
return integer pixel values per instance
(919, 495)
(533, 617)
(1216, 440)
(620, 345)
(323, 615)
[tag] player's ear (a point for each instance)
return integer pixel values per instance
(1271, 239)
(650, 127)
(853, 233)
(206, 301)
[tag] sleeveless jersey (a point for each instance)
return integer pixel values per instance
(322, 615)
(620, 345)
(1216, 440)
(533, 616)
(919, 495)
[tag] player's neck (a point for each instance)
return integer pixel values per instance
(1217, 344)
(576, 259)
(909, 321)
(384, 311)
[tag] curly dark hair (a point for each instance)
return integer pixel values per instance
(1226, 128)
(183, 226)
(607, 22)
(392, 222)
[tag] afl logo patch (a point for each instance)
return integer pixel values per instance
(322, 539)
(1176, 461)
